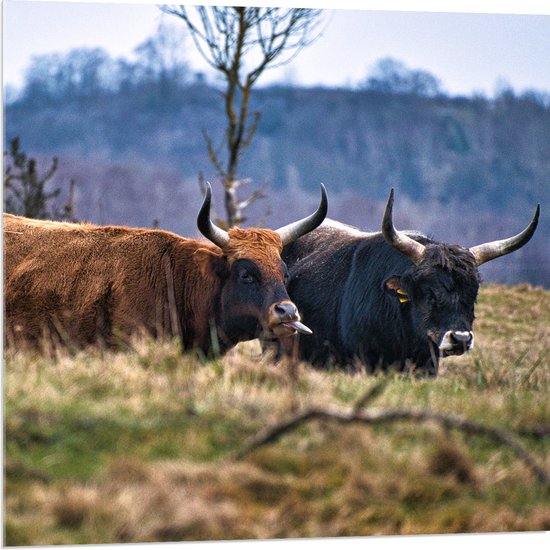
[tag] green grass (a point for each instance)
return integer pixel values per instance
(105, 447)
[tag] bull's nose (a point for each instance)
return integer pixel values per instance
(456, 342)
(284, 319)
(462, 337)
(286, 311)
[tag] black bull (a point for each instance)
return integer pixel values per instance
(387, 298)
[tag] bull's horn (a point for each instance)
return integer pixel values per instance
(206, 227)
(292, 231)
(489, 251)
(411, 248)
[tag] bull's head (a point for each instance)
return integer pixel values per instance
(253, 293)
(439, 290)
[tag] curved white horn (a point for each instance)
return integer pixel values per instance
(213, 233)
(292, 231)
(399, 240)
(489, 251)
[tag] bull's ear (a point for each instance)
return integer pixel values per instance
(393, 287)
(211, 264)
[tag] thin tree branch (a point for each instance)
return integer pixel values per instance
(537, 432)
(240, 43)
(370, 395)
(212, 154)
(251, 130)
(503, 437)
(254, 196)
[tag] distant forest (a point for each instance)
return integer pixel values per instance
(130, 133)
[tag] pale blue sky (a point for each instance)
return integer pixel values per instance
(467, 52)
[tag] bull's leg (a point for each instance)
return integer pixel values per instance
(424, 365)
(428, 366)
(289, 346)
(290, 353)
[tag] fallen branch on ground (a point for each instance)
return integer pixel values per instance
(273, 433)
(536, 432)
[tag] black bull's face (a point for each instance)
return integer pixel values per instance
(437, 299)
(388, 298)
(439, 290)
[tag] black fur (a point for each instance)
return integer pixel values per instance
(339, 281)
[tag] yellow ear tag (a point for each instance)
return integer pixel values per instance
(402, 296)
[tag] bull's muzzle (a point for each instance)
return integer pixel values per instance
(456, 342)
(284, 319)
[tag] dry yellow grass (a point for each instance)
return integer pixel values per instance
(137, 446)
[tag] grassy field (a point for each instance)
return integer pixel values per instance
(141, 445)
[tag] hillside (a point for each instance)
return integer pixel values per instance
(465, 170)
(148, 445)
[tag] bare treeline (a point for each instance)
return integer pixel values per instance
(465, 169)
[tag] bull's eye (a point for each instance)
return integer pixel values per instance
(245, 277)
(246, 272)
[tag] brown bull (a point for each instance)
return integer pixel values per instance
(86, 283)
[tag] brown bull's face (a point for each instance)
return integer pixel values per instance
(253, 297)
(251, 274)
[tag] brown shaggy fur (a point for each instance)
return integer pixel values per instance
(266, 244)
(82, 282)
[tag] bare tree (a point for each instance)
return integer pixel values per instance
(241, 43)
(25, 189)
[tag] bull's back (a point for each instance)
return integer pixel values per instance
(80, 282)
(319, 265)
(336, 280)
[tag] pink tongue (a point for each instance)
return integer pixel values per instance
(299, 327)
